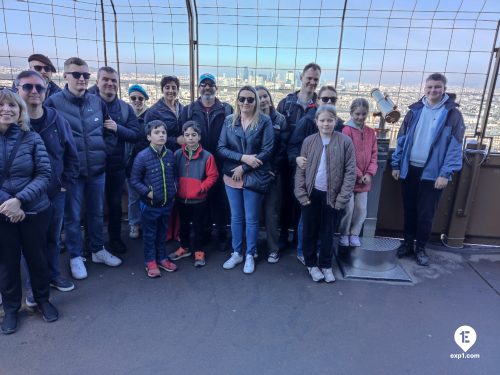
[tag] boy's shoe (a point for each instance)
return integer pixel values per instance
(316, 274)
(104, 256)
(179, 253)
(233, 261)
(167, 265)
(78, 270)
(134, 232)
(152, 269)
(62, 284)
(301, 259)
(422, 257)
(328, 274)
(199, 258)
(406, 248)
(9, 324)
(273, 257)
(49, 312)
(344, 241)
(30, 300)
(354, 241)
(249, 266)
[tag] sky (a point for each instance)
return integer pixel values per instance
(383, 41)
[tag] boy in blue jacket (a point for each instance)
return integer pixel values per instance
(154, 177)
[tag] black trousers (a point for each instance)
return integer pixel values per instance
(218, 208)
(114, 190)
(319, 220)
(30, 235)
(197, 214)
(420, 202)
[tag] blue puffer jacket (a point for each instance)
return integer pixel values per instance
(86, 117)
(155, 171)
(445, 155)
(29, 174)
(160, 111)
(58, 139)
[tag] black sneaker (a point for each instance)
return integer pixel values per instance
(9, 324)
(62, 284)
(117, 246)
(405, 249)
(422, 257)
(49, 312)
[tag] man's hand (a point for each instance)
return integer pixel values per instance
(110, 125)
(395, 174)
(301, 162)
(237, 173)
(251, 160)
(441, 183)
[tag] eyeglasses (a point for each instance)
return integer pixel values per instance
(28, 87)
(207, 84)
(139, 98)
(77, 75)
(326, 99)
(39, 68)
(249, 99)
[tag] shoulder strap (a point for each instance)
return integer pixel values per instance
(12, 155)
(125, 112)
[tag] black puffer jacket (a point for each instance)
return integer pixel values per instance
(29, 174)
(234, 142)
(160, 111)
(281, 135)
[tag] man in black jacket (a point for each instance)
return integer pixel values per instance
(61, 148)
(44, 66)
(210, 113)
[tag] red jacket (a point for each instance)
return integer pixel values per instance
(197, 174)
(365, 147)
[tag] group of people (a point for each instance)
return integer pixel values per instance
(65, 153)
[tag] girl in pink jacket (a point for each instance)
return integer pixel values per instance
(365, 147)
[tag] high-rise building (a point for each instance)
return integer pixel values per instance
(245, 74)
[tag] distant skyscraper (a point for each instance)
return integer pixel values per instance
(245, 74)
(289, 78)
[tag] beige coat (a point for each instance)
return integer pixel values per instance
(341, 169)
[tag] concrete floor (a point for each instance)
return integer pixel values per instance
(276, 321)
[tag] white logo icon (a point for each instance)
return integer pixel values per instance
(465, 337)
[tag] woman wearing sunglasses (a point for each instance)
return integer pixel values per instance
(246, 146)
(24, 210)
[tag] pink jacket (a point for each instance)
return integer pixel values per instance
(365, 147)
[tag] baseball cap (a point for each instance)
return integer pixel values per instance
(205, 76)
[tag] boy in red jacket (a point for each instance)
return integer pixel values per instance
(197, 174)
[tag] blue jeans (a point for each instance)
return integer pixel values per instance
(245, 208)
(88, 194)
(134, 209)
(154, 231)
(300, 236)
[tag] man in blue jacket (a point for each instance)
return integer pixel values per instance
(428, 152)
(122, 122)
(88, 118)
(61, 148)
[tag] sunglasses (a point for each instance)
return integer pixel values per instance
(249, 99)
(207, 84)
(28, 87)
(139, 98)
(39, 68)
(326, 99)
(77, 75)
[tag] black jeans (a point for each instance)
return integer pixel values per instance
(195, 213)
(114, 190)
(420, 201)
(30, 235)
(218, 208)
(319, 220)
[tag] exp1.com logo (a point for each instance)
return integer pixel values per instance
(465, 337)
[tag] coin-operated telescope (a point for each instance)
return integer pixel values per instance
(388, 111)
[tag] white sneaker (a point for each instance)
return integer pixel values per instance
(233, 261)
(134, 232)
(354, 241)
(316, 274)
(78, 270)
(328, 274)
(104, 256)
(344, 241)
(249, 266)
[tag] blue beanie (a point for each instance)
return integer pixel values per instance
(138, 88)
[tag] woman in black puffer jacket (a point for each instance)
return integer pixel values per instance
(24, 210)
(246, 145)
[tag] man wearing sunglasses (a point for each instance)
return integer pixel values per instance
(86, 114)
(61, 148)
(44, 66)
(210, 113)
(123, 122)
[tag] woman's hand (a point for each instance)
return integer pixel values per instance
(301, 162)
(237, 173)
(251, 160)
(17, 217)
(10, 207)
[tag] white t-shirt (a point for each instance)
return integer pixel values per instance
(321, 177)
